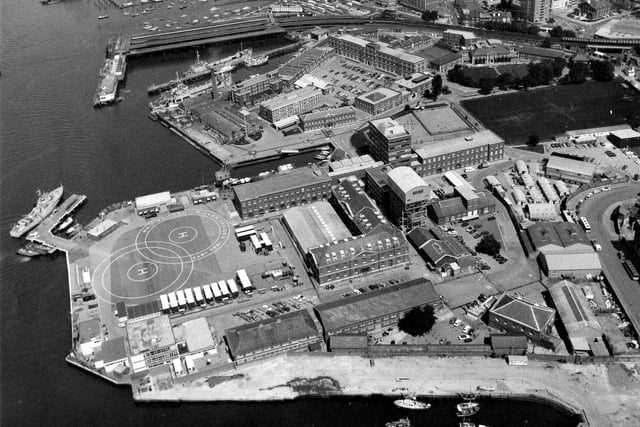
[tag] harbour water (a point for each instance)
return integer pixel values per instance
(50, 134)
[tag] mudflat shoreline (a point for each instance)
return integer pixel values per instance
(606, 395)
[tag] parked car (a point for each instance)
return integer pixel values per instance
(463, 337)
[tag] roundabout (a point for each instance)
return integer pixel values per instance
(159, 257)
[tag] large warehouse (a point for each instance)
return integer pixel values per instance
(570, 170)
(314, 225)
(578, 319)
(559, 265)
(374, 310)
(287, 332)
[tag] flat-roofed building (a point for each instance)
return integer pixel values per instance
(378, 54)
(459, 152)
(194, 337)
(625, 138)
(409, 198)
(287, 332)
(256, 87)
(348, 343)
(377, 185)
(379, 100)
(375, 310)
(304, 63)
(112, 353)
(290, 104)
(509, 344)
(102, 229)
(299, 187)
(327, 119)
(517, 315)
(457, 38)
(442, 253)
(389, 142)
(590, 134)
(416, 83)
(383, 248)
(152, 202)
(570, 265)
(357, 166)
(314, 225)
(151, 343)
(570, 170)
(280, 10)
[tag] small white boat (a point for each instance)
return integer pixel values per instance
(411, 403)
(467, 409)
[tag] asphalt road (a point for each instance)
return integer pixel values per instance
(626, 289)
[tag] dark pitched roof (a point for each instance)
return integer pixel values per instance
(391, 299)
(279, 330)
(357, 205)
(448, 207)
(524, 312)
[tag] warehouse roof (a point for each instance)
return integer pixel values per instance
(348, 341)
(269, 333)
(572, 306)
(577, 167)
(196, 333)
(297, 178)
(508, 341)
(572, 261)
(382, 302)
(446, 146)
(315, 225)
(524, 312)
(549, 235)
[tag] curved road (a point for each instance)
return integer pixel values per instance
(594, 209)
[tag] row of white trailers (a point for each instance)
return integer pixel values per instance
(221, 291)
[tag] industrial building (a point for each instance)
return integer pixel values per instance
(299, 187)
(287, 332)
(457, 38)
(384, 247)
(570, 265)
(466, 204)
(389, 142)
(377, 54)
(314, 225)
(225, 120)
(625, 138)
(290, 104)
(516, 315)
(559, 237)
(570, 170)
(541, 211)
(304, 63)
(148, 353)
(327, 119)
(442, 253)
(459, 152)
(102, 229)
(409, 198)
(380, 100)
(374, 310)
(358, 210)
(577, 317)
(246, 91)
(152, 202)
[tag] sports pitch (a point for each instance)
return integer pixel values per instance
(168, 253)
(552, 111)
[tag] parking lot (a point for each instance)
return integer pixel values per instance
(601, 152)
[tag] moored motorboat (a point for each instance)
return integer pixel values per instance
(411, 403)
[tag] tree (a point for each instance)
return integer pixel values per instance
(505, 80)
(557, 66)
(436, 86)
(546, 42)
(533, 140)
(556, 31)
(602, 70)
(488, 245)
(577, 72)
(429, 15)
(418, 321)
(486, 86)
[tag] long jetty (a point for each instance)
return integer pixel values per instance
(44, 230)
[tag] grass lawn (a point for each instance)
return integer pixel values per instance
(477, 74)
(551, 111)
(516, 70)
